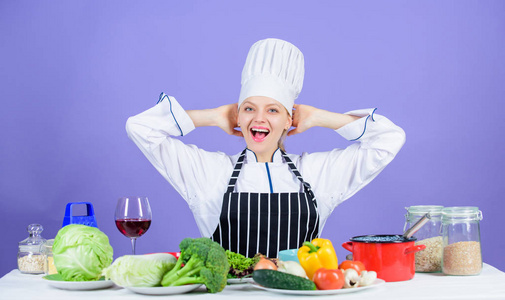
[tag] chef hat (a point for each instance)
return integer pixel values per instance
(274, 68)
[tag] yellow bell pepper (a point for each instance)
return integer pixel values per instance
(317, 254)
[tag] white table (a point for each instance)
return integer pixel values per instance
(490, 284)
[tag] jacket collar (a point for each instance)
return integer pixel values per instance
(251, 156)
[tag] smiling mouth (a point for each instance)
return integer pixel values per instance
(259, 134)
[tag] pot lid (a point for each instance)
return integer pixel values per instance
(382, 238)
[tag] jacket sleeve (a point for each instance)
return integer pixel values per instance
(338, 174)
(195, 174)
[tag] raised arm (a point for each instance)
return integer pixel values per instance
(224, 117)
(155, 132)
(305, 117)
(339, 173)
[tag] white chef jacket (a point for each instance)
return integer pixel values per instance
(201, 177)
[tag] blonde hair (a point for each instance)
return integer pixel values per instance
(281, 140)
(280, 144)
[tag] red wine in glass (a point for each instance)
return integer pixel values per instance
(133, 217)
(133, 228)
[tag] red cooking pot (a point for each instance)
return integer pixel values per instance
(391, 256)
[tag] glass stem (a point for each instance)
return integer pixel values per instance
(133, 240)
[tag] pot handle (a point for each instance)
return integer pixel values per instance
(414, 249)
(347, 246)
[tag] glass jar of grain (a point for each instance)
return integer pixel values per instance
(462, 253)
(428, 260)
(31, 257)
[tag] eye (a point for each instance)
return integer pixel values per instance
(273, 110)
(247, 108)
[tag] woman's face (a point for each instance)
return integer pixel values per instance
(263, 120)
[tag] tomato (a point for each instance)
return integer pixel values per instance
(328, 279)
(176, 254)
(352, 264)
(265, 263)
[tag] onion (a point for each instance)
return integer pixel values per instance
(292, 267)
(265, 263)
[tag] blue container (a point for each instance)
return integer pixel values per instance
(88, 220)
(289, 255)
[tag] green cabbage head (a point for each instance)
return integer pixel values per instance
(140, 270)
(81, 252)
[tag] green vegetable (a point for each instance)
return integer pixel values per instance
(240, 265)
(204, 262)
(279, 280)
(239, 261)
(140, 270)
(81, 252)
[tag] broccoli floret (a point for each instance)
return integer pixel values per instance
(204, 262)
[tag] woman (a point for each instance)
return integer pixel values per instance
(263, 200)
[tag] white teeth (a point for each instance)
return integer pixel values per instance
(260, 130)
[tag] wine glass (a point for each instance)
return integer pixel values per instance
(133, 217)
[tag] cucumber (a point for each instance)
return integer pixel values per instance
(279, 280)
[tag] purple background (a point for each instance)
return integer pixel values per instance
(72, 72)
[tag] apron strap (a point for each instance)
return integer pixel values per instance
(236, 171)
(306, 185)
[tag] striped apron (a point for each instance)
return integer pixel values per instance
(266, 223)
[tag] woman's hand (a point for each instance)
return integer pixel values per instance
(224, 117)
(305, 117)
(227, 119)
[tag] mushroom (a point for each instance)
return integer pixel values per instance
(351, 278)
(367, 278)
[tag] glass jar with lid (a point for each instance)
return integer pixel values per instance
(49, 262)
(462, 253)
(430, 259)
(31, 257)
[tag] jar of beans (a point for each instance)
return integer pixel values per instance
(462, 253)
(428, 260)
(31, 257)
